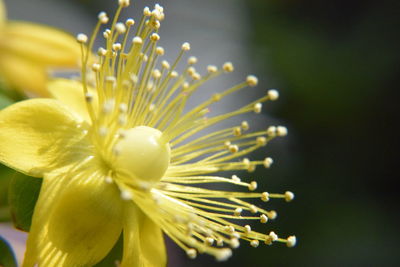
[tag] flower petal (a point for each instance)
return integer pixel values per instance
(23, 75)
(41, 44)
(77, 219)
(143, 240)
(70, 92)
(40, 135)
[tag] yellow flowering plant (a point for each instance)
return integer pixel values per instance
(120, 155)
(23, 65)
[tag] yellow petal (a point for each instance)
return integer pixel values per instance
(40, 135)
(77, 219)
(143, 240)
(23, 75)
(70, 92)
(40, 44)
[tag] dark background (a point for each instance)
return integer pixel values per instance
(337, 66)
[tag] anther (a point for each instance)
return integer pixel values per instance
(146, 12)
(257, 108)
(263, 218)
(160, 51)
(96, 67)
(174, 74)
(247, 229)
(228, 67)
(271, 131)
(272, 214)
(123, 3)
(223, 254)
(291, 241)
(273, 94)
(129, 22)
(137, 40)
(116, 46)
(233, 148)
(196, 76)
(82, 38)
(103, 18)
(102, 52)
(191, 253)
(234, 242)
(108, 180)
(265, 196)
(186, 46)
(120, 27)
(273, 236)
(268, 162)
(253, 209)
(212, 69)
(281, 131)
(155, 37)
(235, 178)
(261, 141)
(238, 212)
(254, 243)
(230, 229)
(237, 131)
(165, 64)
(209, 241)
(252, 80)
(289, 196)
(191, 71)
(156, 73)
(192, 60)
(252, 186)
(245, 125)
(106, 33)
(126, 195)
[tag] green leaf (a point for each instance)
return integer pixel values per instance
(22, 196)
(7, 258)
(114, 256)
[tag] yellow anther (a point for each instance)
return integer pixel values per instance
(268, 162)
(257, 108)
(186, 46)
(252, 186)
(263, 218)
(228, 67)
(289, 196)
(265, 196)
(291, 241)
(238, 211)
(251, 80)
(273, 94)
(245, 125)
(82, 38)
(191, 253)
(261, 141)
(254, 243)
(281, 131)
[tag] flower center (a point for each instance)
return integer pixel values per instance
(142, 154)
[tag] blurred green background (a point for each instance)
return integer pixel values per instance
(337, 65)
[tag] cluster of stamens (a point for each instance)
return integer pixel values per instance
(128, 90)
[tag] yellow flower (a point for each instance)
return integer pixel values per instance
(28, 51)
(119, 154)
